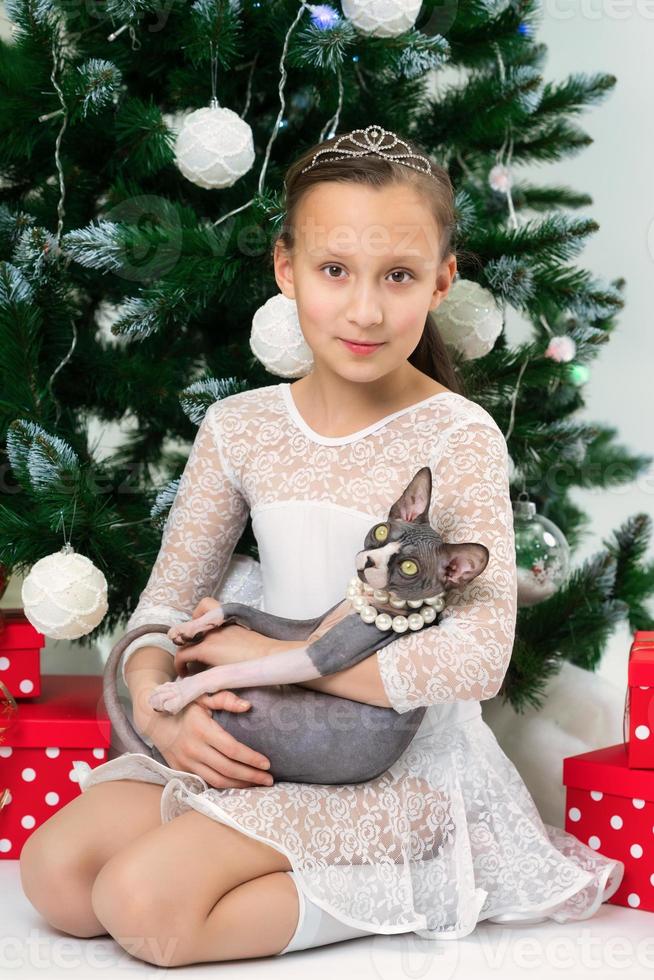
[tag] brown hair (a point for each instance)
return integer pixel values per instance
(431, 355)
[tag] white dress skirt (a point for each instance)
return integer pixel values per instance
(492, 855)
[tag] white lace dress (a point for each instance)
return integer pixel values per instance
(449, 835)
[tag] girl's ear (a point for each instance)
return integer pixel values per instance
(283, 270)
(444, 279)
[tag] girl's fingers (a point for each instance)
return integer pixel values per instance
(226, 700)
(186, 655)
(219, 781)
(238, 759)
(212, 750)
(226, 761)
(237, 770)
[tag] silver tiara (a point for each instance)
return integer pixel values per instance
(373, 142)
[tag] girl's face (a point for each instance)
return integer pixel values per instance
(365, 268)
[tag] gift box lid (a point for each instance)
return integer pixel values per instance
(607, 770)
(641, 659)
(16, 631)
(69, 713)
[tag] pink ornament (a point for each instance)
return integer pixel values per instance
(561, 348)
(500, 178)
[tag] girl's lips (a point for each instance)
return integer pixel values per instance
(360, 348)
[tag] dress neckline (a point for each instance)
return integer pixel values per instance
(292, 409)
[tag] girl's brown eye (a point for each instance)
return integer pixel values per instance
(409, 567)
(381, 532)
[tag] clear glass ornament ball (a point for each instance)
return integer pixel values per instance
(542, 554)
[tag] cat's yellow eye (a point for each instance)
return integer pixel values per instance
(381, 532)
(408, 567)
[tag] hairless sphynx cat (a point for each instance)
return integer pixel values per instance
(310, 736)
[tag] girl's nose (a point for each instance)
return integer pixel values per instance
(364, 308)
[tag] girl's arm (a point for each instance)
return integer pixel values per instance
(361, 682)
(206, 519)
(465, 656)
(147, 667)
(235, 644)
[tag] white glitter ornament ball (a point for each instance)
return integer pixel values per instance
(469, 319)
(382, 18)
(214, 147)
(277, 341)
(65, 595)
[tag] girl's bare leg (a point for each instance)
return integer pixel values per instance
(257, 918)
(61, 859)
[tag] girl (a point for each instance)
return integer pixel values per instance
(204, 859)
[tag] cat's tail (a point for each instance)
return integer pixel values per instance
(125, 735)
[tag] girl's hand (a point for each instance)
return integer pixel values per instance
(194, 742)
(227, 644)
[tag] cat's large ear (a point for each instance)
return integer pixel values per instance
(413, 505)
(460, 563)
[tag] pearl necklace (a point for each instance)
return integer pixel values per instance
(358, 590)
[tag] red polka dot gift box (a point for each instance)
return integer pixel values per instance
(20, 654)
(610, 807)
(641, 700)
(67, 723)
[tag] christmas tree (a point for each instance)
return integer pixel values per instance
(143, 148)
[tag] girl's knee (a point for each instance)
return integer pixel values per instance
(58, 887)
(146, 925)
(126, 903)
(42, 866)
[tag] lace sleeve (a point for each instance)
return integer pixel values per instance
(206, 520)
(465, 656)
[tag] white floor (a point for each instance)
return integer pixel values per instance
(616, 940)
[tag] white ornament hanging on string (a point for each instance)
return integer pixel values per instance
(277, 341)
(542, 553)
(469, 319)
(65, 595)
(382, 18)
(214, 147)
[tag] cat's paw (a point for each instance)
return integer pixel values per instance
(196, 629)
(186, 633)
(169, 697)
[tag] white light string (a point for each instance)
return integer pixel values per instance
(282, 104)
(513, 223)
(57, 65)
